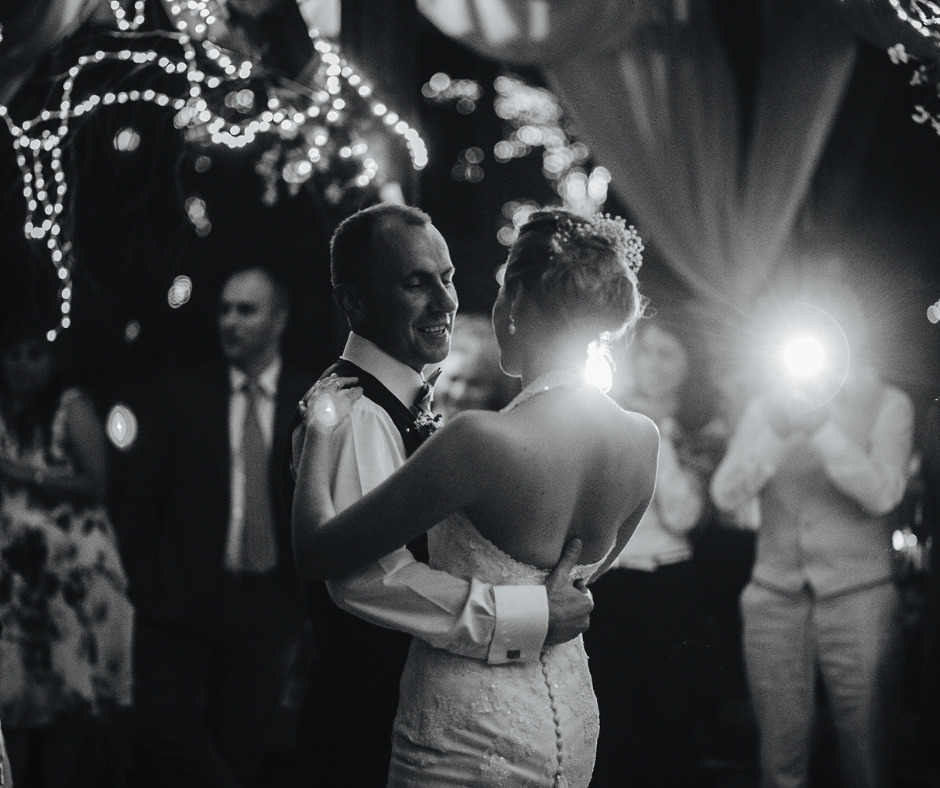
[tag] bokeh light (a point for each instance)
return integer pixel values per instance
(179, 292)
(121, 427)
(126, 140)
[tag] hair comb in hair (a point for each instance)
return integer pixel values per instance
(623, 239)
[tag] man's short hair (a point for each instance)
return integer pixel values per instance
(355, 246)
(279, 287)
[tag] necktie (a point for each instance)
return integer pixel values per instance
(422, 400)
(259, 551)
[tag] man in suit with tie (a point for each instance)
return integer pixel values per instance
(208, 554)
(393, 281)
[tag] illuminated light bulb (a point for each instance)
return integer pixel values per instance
(933, 313)
(804, 356)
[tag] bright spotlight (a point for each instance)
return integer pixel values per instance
(804, 350)
(598, 369)
(804, 356)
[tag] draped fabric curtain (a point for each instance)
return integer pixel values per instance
(30, 30)
(652, 94)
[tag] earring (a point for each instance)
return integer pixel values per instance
(512, 326)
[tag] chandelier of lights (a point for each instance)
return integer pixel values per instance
(316, 118)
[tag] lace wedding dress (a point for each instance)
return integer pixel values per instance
(465, 722)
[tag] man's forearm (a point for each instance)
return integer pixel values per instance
(465, 617)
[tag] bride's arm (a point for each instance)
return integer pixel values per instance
(645, 479)
(446, 474)
(324, 407)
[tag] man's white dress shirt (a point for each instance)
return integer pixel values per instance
(463, 616)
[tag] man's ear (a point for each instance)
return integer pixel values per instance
(349, 301)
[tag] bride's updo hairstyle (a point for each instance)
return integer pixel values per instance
(581, 271)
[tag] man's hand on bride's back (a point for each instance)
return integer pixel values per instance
(569, 606)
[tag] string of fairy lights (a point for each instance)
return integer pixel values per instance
(318, 120)
(313, 126)
(923, 16)
(533, 119)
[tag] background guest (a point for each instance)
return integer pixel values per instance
(827, 473)
(646, 640)
(209, 555)
(65, 647)
(471, 378)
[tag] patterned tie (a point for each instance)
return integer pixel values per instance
(422, 400)
(259, 551)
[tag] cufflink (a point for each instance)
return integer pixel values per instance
(513, 653)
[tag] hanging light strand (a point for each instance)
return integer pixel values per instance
(317, 114)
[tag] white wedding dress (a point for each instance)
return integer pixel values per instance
(464, 722)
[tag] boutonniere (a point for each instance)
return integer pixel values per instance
(426, 423)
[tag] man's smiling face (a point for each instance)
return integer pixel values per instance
(411, 302)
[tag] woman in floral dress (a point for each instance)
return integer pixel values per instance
(65, 645)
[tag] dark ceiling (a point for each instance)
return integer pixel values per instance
(875, 195)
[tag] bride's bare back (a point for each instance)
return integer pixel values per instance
(567, 462)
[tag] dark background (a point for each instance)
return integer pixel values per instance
(875, 197)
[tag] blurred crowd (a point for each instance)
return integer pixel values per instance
(778, 586)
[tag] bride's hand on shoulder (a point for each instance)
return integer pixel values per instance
(329, 402)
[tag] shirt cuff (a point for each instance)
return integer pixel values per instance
(521, 624)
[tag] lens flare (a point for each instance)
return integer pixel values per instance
(809, 353)
(598, 369)
(804, 356)
(324, 409)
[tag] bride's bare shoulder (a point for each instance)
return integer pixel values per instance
(640, 436)
(471, 428)
(642, 426)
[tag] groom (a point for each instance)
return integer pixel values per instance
(393, 281)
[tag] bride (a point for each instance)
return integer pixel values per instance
(501, 494)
